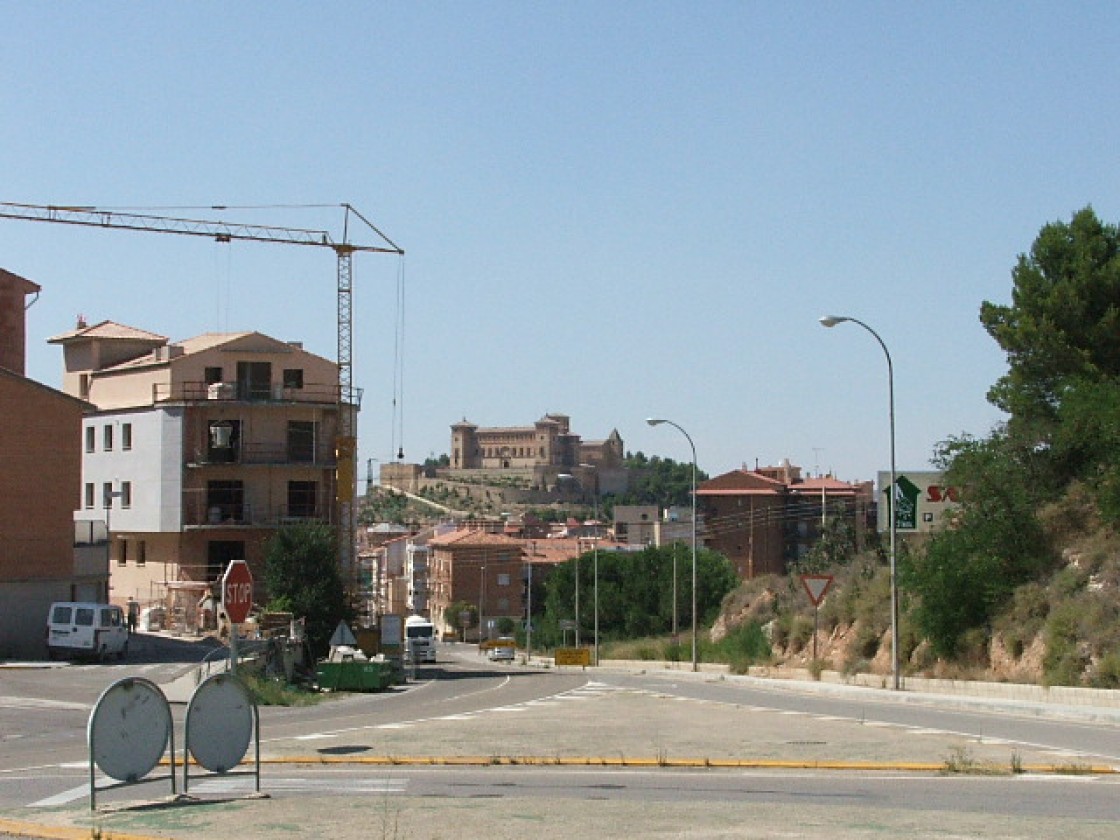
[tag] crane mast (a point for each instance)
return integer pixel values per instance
(221, 231)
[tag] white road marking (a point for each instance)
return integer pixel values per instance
(246, 784)
(62, 798)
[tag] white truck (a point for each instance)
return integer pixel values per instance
(420, 639)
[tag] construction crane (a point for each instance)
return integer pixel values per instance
(346, 443)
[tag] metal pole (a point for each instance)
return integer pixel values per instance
(676, 631)
(694, 659)
(896, 676)
(596, 599)
(655, 422)
(577, 599)
(596, 565)
(529, 607)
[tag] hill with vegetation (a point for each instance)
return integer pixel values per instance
(1025, 583)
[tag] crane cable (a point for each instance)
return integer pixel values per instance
(397, 443)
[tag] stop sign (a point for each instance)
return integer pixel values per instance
(237, 591)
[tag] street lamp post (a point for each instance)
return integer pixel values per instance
(595, 555)
(595, 561)
(529, 604)
(832, 321)
(108, 502)
(654, 421)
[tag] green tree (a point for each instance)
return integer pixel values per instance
(836, 547)
(968, 572)
(656, 481)
(453, 616)
(1063, 324)
(1061, 335)
(635, 592)
(302, 576)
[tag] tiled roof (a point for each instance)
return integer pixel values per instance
(208, 340)
(741, 483)
(470, 537)
(826, 483)
(550, 552)
(108, 330)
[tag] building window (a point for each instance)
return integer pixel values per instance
(83, 386)
(301, 499)
(126, 436)
(503, 579)
(126, 494)
(293, 378)
(224, 442)
(141, 552)
(89, 494)
(219, 554)
(91, 438)
(212, 375)
(122, 553)
(107, 494)
(107, 439)
(225, 501)
(301, 441)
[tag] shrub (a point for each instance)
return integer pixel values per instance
(745, 646)
(1062, 664)
(1107, 673)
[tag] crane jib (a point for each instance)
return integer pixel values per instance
(217, 230)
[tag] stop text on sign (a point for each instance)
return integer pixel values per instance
(238, 593)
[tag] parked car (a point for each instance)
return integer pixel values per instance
(502, 650)
(82, 628)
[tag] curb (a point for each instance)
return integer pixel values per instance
(984, 768)
(18, 828)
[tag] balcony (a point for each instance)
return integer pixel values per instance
(198, 515)
(271, 454)
(325, 393)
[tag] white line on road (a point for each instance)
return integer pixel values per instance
(62, 798)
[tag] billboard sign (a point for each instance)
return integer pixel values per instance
(923, 501)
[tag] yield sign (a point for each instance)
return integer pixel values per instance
(816, 586)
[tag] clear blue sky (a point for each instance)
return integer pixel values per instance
(611, 210)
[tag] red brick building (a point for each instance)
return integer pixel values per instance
(765, 518)
(40, 488)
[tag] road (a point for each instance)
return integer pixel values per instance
(690, 755)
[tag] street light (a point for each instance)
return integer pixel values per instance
(654, 421)
(529, 604)
(832, 321)
(595, 549)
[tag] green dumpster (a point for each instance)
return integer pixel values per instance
(354, 675)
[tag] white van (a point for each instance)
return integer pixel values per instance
(82, 628)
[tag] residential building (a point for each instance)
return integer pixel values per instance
(636, 524)
(400, 573)
(763, 519)
(199, 450)
(478, 568)
(45, 555)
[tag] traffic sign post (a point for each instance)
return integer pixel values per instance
(816, 586)
(237, 600)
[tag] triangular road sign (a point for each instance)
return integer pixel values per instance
(816, 586)
(343, 635)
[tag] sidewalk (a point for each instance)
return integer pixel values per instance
(1067, 702)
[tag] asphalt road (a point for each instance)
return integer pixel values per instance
(558, 752)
